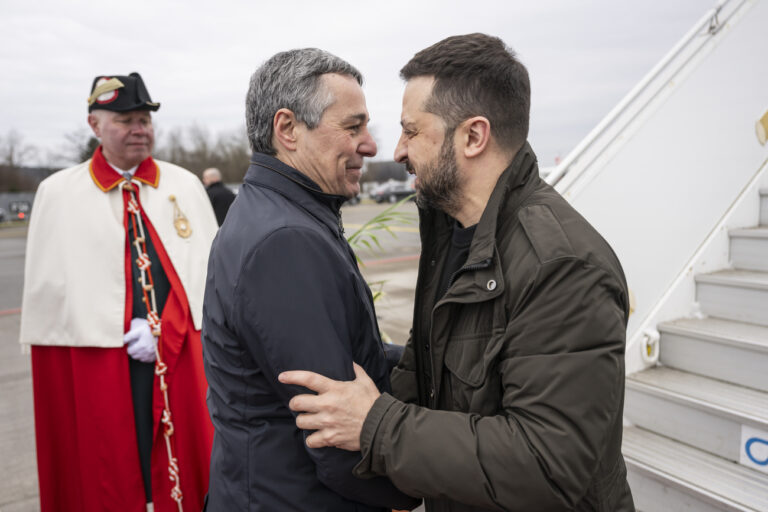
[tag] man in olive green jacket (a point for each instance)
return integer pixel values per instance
(510, 393)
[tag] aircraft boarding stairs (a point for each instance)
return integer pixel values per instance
(694, 413)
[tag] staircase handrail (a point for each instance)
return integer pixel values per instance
(710, 19)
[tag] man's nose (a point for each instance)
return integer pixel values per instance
(401, 152)
(139, 128)
(368, 146)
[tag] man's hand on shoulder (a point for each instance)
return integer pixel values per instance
(337, 412)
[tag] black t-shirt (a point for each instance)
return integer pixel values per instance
(457, 255)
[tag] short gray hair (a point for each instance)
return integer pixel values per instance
(290, 80)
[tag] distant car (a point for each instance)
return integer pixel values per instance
(391, 191)
(3, 216)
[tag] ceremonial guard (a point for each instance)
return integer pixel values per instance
(115, 270)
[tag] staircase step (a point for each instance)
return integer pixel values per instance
(740, 295)
(722, 349)
(698, 411)
(666, 475)
(764, 206)
(749, 248)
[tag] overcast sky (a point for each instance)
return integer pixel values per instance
(196, 56)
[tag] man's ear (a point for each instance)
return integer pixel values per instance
(285, 128)
(93, 122)
(476, 136)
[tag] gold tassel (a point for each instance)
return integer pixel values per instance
(180, 221)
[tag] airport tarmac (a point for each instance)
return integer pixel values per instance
(394, 265)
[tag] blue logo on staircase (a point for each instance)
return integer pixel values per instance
(748, 448)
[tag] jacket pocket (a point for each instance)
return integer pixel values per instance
(464, 358)
(473, 382)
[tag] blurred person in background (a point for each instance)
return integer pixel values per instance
(221, 197)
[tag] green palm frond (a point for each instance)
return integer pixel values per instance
(366, 236)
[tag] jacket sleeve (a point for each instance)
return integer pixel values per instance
(561, 372)
(403, 376)
(296, 308)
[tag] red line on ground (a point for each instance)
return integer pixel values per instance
(373, 263)
(4, 312)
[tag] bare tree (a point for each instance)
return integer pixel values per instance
(173, 150)
(195, 149)
(78, 146)
(13, 151)
(234, 155)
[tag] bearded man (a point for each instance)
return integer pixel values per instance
(510, 393)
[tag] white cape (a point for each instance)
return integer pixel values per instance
(74, 274)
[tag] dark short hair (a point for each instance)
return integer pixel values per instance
(476, 75)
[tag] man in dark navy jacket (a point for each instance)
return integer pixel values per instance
(284, 292)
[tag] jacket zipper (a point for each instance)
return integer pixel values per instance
(475, 266)
(341, 224)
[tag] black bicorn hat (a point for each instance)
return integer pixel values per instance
(120, 94)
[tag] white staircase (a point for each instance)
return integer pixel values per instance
(692, 413)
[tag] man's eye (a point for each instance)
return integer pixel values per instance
(355, 128)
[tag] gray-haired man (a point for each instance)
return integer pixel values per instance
(284, 292)
(510, 393)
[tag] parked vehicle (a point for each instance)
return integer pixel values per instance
(392, 191)
(3, 216)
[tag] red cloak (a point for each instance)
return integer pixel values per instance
(87, 453)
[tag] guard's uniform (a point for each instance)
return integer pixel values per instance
(78, 302)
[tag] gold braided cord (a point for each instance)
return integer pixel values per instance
(153, 319)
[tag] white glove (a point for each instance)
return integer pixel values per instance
(141, 343)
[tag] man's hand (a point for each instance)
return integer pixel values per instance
(338, 410)
(141, 343)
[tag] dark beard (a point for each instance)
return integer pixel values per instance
(442, 190)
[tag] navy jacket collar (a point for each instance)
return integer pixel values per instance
(267, 171)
